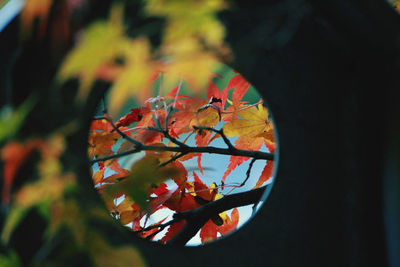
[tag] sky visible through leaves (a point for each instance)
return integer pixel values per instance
(214, 166)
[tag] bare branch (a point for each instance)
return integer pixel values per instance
(189, 149)
(248, 171)
(195, 219)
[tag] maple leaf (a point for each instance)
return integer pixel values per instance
(113, 164)
(14, 154)
(135, 115)
(208, 232)
(183, 120)
(253, 122)
(100, 143)
(253, 128)
(202, 190)
(229, 224)
(172, 231)
(265, 175)
(11, 119)
(52, 182)
(128, 211)
(101, 126)
(135, 78)
(145, 135)
(98, 176)
(240, 85)
(190, 18)
(100, 44)
(152, 231)
(190, 26)
(162, 195)
(144, 173)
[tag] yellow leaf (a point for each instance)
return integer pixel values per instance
(100, 44)
(17, 213)
(253, 122)
(192, 36)
(190, 18)
(68, 213)
(113, 256)
(135, 78)
(194, 66)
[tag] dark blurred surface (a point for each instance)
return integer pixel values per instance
(328, 71)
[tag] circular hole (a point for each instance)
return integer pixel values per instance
(184, 167)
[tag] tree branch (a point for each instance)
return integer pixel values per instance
(124, 135)
(190, 149)
(195, 219)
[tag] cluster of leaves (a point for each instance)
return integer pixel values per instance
(47, 186)
(192, 41)
(42, 174)
(162, 128)
(48, 194)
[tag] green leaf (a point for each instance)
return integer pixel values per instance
(145, 173)
(10, 260)
(11, 120)
(16, 215)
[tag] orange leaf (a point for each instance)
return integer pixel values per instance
(202, 189)
(241, 86)
(98, 176)
(14, 154)
(230, 224)
(135, 115)
(172, 231)
(183, 120)
(35, 10)
(265, 175)
(100, 143)
(208, 232)
(150, 232)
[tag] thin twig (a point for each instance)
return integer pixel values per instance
(162, 226)
(248, 171)
(177, 92)
(220, 132)
(124, 135)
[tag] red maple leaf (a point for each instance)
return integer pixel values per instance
(208, 232)
(265, 175)
(230, 224)
(13, 155)
(172, 231)
(135, 115)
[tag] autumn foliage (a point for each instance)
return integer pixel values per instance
(162, 128)
(45, 146)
